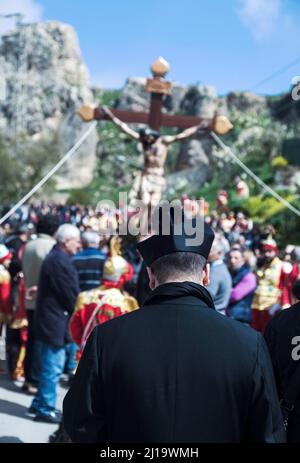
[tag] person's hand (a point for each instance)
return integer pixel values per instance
(31, 293)
(273, 309)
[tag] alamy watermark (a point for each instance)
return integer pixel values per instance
(119, 219)
(296, 350)
(296, 88)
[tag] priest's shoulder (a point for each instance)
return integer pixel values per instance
(236, 329)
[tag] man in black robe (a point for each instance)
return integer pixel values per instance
(175, 370)
(282, 336)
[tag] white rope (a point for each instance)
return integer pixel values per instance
(251, 174)
(52, 172)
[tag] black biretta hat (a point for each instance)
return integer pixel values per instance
(195, 235)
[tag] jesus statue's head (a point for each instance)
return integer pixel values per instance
(148, 136)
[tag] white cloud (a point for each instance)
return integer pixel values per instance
(31, 10)
(260, 16)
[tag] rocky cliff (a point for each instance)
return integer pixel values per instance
(43, 81)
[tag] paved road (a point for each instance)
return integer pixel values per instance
(15, 425)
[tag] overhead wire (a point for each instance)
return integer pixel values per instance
(251, 174)
(57, 166)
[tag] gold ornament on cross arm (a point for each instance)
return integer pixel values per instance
(86, 113)
(221, 125)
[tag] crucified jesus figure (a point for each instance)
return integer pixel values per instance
(150, 184)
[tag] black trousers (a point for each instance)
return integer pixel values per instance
(13, 345)
(32, 361)
(293, 433)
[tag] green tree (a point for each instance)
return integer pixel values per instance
(22, 166)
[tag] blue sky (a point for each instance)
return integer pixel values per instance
(232, 44)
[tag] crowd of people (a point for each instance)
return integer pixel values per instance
(59, 278)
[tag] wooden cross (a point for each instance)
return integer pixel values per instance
(157, 87)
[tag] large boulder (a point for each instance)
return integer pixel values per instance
(199, 101)
(135, 98)
(173, 102)
(194, 153)
(247, 101)
(133, 95)
(44, 81)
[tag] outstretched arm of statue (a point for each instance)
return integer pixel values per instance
(185, 133)
(219, 124)
(124, 127)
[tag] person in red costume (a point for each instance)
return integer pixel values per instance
(222, 201)
(14, 318)
(19, 322)
(108, 301)
(289, 275)
(267, 297)
(5, 285)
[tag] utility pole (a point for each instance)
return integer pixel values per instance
(18, 17)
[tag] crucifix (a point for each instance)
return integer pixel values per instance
(149, 185)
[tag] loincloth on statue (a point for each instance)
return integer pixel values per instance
(148, 186)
